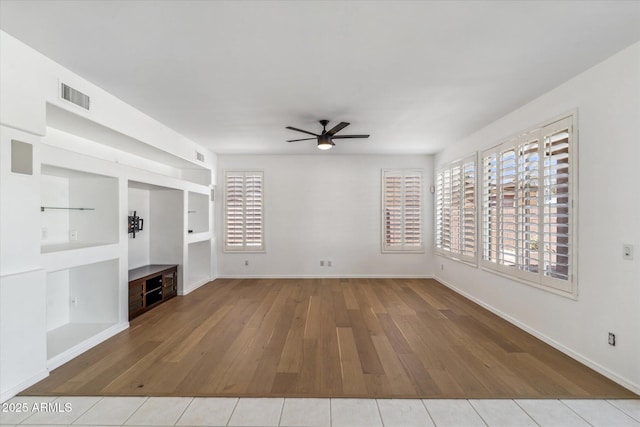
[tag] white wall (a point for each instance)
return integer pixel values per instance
(324, 207)
(139, 247)
(607, 98)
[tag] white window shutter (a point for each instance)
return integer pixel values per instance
(468, 208)
(456, 210)
(402, 210)
(527, 207)
(529, 203)
(557, 201)
(244, 211)
(490, 207)
(508, 214)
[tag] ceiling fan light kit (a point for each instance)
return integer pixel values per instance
(325, 139)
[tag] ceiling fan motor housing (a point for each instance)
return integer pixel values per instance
(325, 142)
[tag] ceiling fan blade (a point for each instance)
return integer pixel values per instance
(303, 139)
(349, 136)
(300, 130)
(337, 128)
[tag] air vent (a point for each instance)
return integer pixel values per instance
(74, 96)
(200, 156)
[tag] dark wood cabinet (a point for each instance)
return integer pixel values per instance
(151, 285)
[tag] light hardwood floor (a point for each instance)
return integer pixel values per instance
(325, 338)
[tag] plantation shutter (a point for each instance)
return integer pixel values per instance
(507, 208)
(413, 210)
(402, 210)
(557, 201)
(244, 211)
(533, 210)
(456, 210)
(529, 203)
(456, 197)
(234, 218)
(439, 209)
(468, 233)
(253, 203)
(393, 210)
(446, 211)
(490, 207)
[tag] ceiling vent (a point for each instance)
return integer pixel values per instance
(74, 96)
(200, 156)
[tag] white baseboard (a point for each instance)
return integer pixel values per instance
(558, 346)
(85, 345)
(193, 286)
(327, 276)
(11, 392)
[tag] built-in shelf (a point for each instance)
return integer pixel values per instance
(67, 246)
(52, 208)
(198, 212)
(198, 237)
(78, 209)
(82, 303)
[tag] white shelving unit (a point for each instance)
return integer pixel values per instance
(82, 304)
(78, 209)
(198, 213)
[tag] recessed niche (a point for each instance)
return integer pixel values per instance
(198, 213)
(78, 209)
(81, 303)
(162, 210)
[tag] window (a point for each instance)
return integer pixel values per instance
(402, 210)
(456, 210)
(244, 211)
(527, 206)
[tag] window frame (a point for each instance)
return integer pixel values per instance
(395, 249)
(244, 248)
(538, 279)
(447, 169)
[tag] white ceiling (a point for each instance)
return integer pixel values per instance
(416, 75)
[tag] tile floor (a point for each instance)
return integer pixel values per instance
(268, 412)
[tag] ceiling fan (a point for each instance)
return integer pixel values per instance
(325, 139)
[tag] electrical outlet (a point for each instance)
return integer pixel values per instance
(246, 262)
(328, 263)
(627, 252)
(612, 339)
(321, 263)
(74, 300)
(73, 235)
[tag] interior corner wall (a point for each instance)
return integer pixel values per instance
(139, 246)
(325, 207)
(607, 99)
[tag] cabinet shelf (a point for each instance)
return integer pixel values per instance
(151, 285)
(44, 208)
